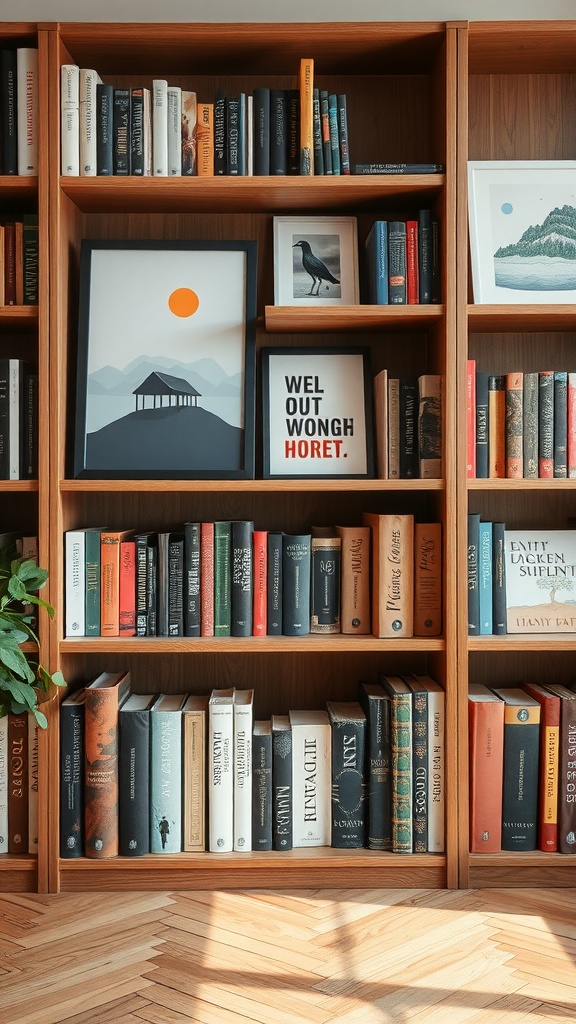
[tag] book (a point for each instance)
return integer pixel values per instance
(317, 126)
(29, 445)
(261, 130)
(397, 294)
(69, 120)
(89, 80)
(530, 426)
(566, 766)
(160, 128)
(392, 574)
(325, 130)
(473, 573)
(243, 768)
(188, 132)
(274, 584)
(262, 812)
(75, 574)
(18, 782)
(540, 570)
(233, 163)
(192, 579)
(110, 541)
(122, 131)
(409, 451)
(333, 125)
(376, 249)
(482, 428)
(311, 778)
(430, 389)
(560, 423)
(571, 426)
(436, 762)
(207, 579)
(242, 577)
(278, 132)
(166, 773)
(221, 771)
(218, 140)
(137, 122)
(72, 774)
(174, 130)
(12, 373)
(146, 567)
(375, 703)
(30, 251)
(391, 168)
(194, 776)
(27, 104)
(393, 428)
(293, 106)
(3, 781)
(342, 108)
(546, 424)
(260, 582)
(402, 757)
(281, 783)
(296, 565)
(520, 769)
(32, 785)
(549, 765)
(412, 283)
(8, 112)
(499, 627)
(420, 780)
(348, 726)
(355, 579)
(104, 129)
(134, 775)
(471, 419)
(424, 256)
(497, 425)
(222, 578)
(485, 770)
(103, 700)
(127, 589)
(514, 396)
(485, 555)
(306, 90)
(427, 579)
(381, 423)
(326, 559)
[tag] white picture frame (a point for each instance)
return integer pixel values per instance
(506, 198)
(331, 240)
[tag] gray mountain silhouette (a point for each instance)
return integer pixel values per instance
(555, 237)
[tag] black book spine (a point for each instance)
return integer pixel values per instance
(29, 459)
(282, 837)
(133, 783)
(520, 789)
(121, 132)
(498, 580)
(9, 112)
(296, 564)
(397, 295)
(152, 589)
(436, 275)
(71, 779)
(261, 113)
(378, 766)
(192, 579)
(472, 575)
(278, 132)
(317, 125)
(137, 132)
(293, 114)
(30, 258)
(104, 130)
(425, 257)
(274, 585)
(560, 423)
(4, 420)
(408, 428)
(482, 437)
(232, 134)
(261, 790)
(420, 770)
(176, 585)
(220, 134)
(325, 584)
(141, 585)
(348, 792)
(242, 578)
(343, 134)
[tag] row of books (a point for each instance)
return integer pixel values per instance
(225, 578)
(18, 784)
(19, 261)
(18, 421)
(19, 111)
(403, 261)
(193, 773)
(521, 425)
(522, 754)
(408, 420)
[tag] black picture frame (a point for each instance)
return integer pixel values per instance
(321, 395)
(194, 302)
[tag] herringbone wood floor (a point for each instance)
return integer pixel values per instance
(350, 956)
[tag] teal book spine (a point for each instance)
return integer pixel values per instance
(485, 578)
(92, 583)
(166, 776)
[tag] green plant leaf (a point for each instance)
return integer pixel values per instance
(31, 575)
(40, 718)
(58, 679)
(25, 695)
(13, 659)
(16, 588)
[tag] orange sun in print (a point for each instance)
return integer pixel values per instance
(183, 302)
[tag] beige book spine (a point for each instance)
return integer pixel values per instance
(194, 821)
(355, 579)
(392, 574)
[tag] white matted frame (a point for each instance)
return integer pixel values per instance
(316, 261)
(522, 220)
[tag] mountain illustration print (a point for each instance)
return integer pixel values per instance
(544, 258)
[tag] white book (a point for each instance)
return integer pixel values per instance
(166, 773)
(4, 784)
(15, 393)
(160, 128)
(174, 93)
(27, 93)
(311, 778)
(75, 577)
(147, 132)
(89, 79)
(243, 722)
(436, 764)
(381, 422)
(32, 785)
(221, 771)
(70, 120)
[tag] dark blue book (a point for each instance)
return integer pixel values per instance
(104, 130)
(424, 257)
(121, 118)
(8, 113)
(377, 263)
(348, 734)
(343, 134)
(262, 786)
(282, 838)
(485, 555)
(397, 295)
(521, 752)
(134, 775)
(274, 585)
(473, 574)
(482, 436)
(499, 627)
(375, 703)
(72, 775)
(296, 565)
(192, 579)
(334, 136)
(242, 586)
(278, 132)
(261, 116)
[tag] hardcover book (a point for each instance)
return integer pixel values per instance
(134, 775)
(549, 765)
(221, 771)
(394, 428)
(392, 574)
(311, 778)
(207, 579)
(89, 80)
(485, 554)
(472, 574)
(274, 584)
(514, 396)
(530, 426)
(409, 415)
(427, 579)
(262, 798)
(520, 769)
(560, 423)
(222, 578)
(497, 425)
(306, 89)
(436, 739)
(243, 768)
(143, 541)
(260, 582)
(296, 564)
(397, 294)
(72, 775)
(375, 703)
(486, 761)
(281, 783)
(194, 727)
(420, 780)
(242, 579)
(69, 119)
(348, 725)
(326, 548)
(482, 429)
(18, 782)
(104, 698)
(498, 579)
(402, 759)
(166, 773)
(540, 581)
(430, 426)
(110, 541)
(381, 423)
(566, 765)
(355, 579)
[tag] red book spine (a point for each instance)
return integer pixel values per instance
(471, 418)
(260, 562)
(127, 588)
(549, 767)
(486, 723)
(412, 282)
(207, 579)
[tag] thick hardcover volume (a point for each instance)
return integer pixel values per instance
(326, 555)
(486, 760)
(420, 781)
(567, 764)
(242, 577)
(560, 423)
(207, 579)
(430, 426)
(348, 725)
(325, 129)
(296, 565)
(174, 128)
(122, 131)
(146, 565)
(482, 438)
(412, 287)
(306, 88)
(427, 579)
(219, 139)
(397, 263)
(394, 428)
(127, 589)
(105, 130)
(375, 703)
(281, 783)
(27, 108)
(546, 424)
(334, 139)
(11, 376)
(4, 784)
(222, 578)
(262, 797)
(72, 775)
(137, 166)
(260, 582)
(134, 774)
(409, 467)
(166, 773)
(497, 426)
(424, 256)
(343, 134)
(377, 263)
(499, 627)
(381, 423)
(485, 577)
(221, 771)
(192, 579)
(243, 768)
(89, 80)
(74, 549)
(69, 120)
(194, 726)
(18, 783)
(30, 250)
(472, 574)
(160, 128)
(110, 541)
(520, 771)
(530, 418)
(401, 741)
(104, 697)
(278, 132)
(261, 130)
(514, 425)
(176, 585)
(436, 763)
(274, 584)
(8, 113)
(355, 579)
(311, 778)
(189, 120)
(392, 574)
(549, 765)
(163, 619)
(471, 419)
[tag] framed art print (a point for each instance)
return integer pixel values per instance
(166, 360)
(315, 261)
(317, 413)
(522, 218)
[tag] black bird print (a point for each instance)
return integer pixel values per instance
(312, 265)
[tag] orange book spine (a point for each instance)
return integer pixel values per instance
(205, 140)
(306, 84)
(110, 582)
(207, 579)
(260, 597)
(355, 579)
(427, 579)
(101, 767)
(486, 749)
(127, 589)
(497, 426)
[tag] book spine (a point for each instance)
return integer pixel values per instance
(282, 838)
(278, 132)
(261, 131)
(133, 788)
(137, 132)
(482, 431)
(334, 139)
(101, 774)
(88, 116)
(293, 104)
(274, 585)
(30, 257)
(378, 768)
(408, 428)
(424, 256)
(92, 574)
(473, 574)
(530, 426)
(402, 792)
(325, 584)
(8, 112)
(436, 771)
(165, 781)
(306, 88)
(427, 579)
(296, 566)
(29, 450)
(560, 423)
(412, 286)
(343, 134)
(32, 785)
(546, 424)
(16, 394)
(219, 143)
(397, 263)
(392, 574)
(520, 783)
(207, 579)
(567, 776)
(222, 579)
(325, 128)
(318, 150)
(3, 782)
(141, 543)
(205, 139)
(194, 781)
(74, 549)
(262, 791)
(174, 130)
(18, 783)
(497, 426)
(192, 578)
(260, 561)
(311, 785)
(27, 107)
(242, 578)
(69, 120)
(514, 425)
(378, 256)
(571, 418)
(188, 132)
(471, 419)
(109, 584)
(9, 263)
(348, 788)
(221, 778)
(160, 128)
(549, 767)
(232, 135)
(420, 777)
(176, 585)
(485, 577)
(127, 589)
(486, 745)
(391, 168)
(498, 580)
(244, 767)
(152, 589)
(121, 131)
(355, 579)
(105, 130)
(429, 433)
(381, 422)
(393, 428)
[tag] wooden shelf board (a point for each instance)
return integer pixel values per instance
(18, 186)
(524, 642)
(18, 316)
(499, 484)
(18, 485)
(520, 317)
(522, 870)
(249, 486)
(311, 643)
(294, 319)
